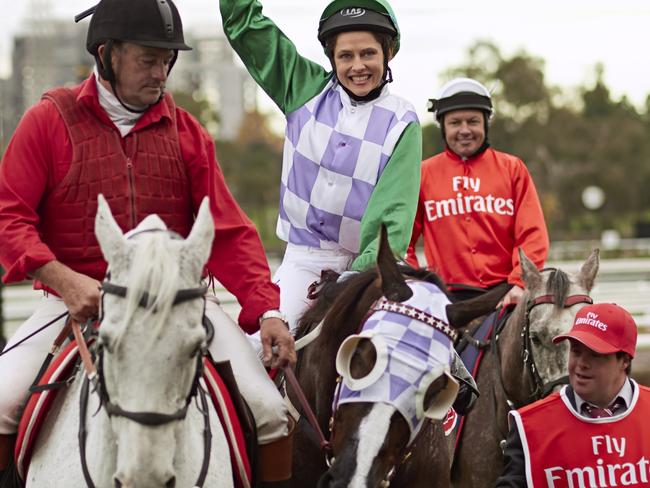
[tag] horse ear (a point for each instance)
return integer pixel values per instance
(198, 244)
(393, 285)
(589, 270)
(529, 272)
(110, 237)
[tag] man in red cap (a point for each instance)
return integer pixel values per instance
(594, 432)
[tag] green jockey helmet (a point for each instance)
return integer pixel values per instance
(358, 15)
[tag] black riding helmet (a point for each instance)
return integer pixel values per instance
(151, 23)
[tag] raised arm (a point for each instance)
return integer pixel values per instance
(270, 57)
(393, 201)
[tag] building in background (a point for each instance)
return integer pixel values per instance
(51, 52)
(8, 115)
(210, 71)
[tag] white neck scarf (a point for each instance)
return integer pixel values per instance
(123, 119)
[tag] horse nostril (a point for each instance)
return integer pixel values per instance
(171, 483)
(118, 483)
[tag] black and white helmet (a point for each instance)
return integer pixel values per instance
(461, 93)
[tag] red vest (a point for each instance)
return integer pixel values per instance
(145, 175)
(565, 450)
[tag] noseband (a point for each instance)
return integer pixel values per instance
(151, 419)
(541, 389)
(544, 389)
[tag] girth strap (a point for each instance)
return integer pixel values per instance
(307, 410)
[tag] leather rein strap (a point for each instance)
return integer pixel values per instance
(325, 444)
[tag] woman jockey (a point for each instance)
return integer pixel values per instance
(352, 150)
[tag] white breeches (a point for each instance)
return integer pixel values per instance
(300, 267)
(19, 367)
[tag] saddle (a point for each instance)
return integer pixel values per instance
(473, 345)
(235, 416)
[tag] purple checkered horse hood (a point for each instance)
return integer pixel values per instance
(411, 354)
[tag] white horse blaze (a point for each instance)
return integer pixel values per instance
(372, 434)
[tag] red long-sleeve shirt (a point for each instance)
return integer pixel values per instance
(474, 215)
(38, 157)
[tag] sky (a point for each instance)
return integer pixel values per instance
(570, 35)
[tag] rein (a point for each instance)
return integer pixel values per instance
(95, 377)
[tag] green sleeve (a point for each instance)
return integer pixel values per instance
(394, 200)
(270, 57)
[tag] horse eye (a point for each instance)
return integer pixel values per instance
(536, 340)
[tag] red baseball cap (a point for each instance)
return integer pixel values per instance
(605, 328)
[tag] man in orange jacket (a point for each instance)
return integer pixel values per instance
(477, 206)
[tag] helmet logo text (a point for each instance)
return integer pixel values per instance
(353, 13)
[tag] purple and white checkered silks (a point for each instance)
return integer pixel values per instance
(334, 153)
(410, 355)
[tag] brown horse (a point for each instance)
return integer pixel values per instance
(522, 366)
(373, 443)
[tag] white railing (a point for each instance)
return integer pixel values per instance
(564, 250)
(622, 281)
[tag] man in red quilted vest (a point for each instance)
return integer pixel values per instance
(595, 431)
(118, 133)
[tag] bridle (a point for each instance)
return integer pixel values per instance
(152, 419)
(541, 388)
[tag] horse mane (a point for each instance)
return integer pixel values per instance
(558, 285)
(346, 304)
(154, 270)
